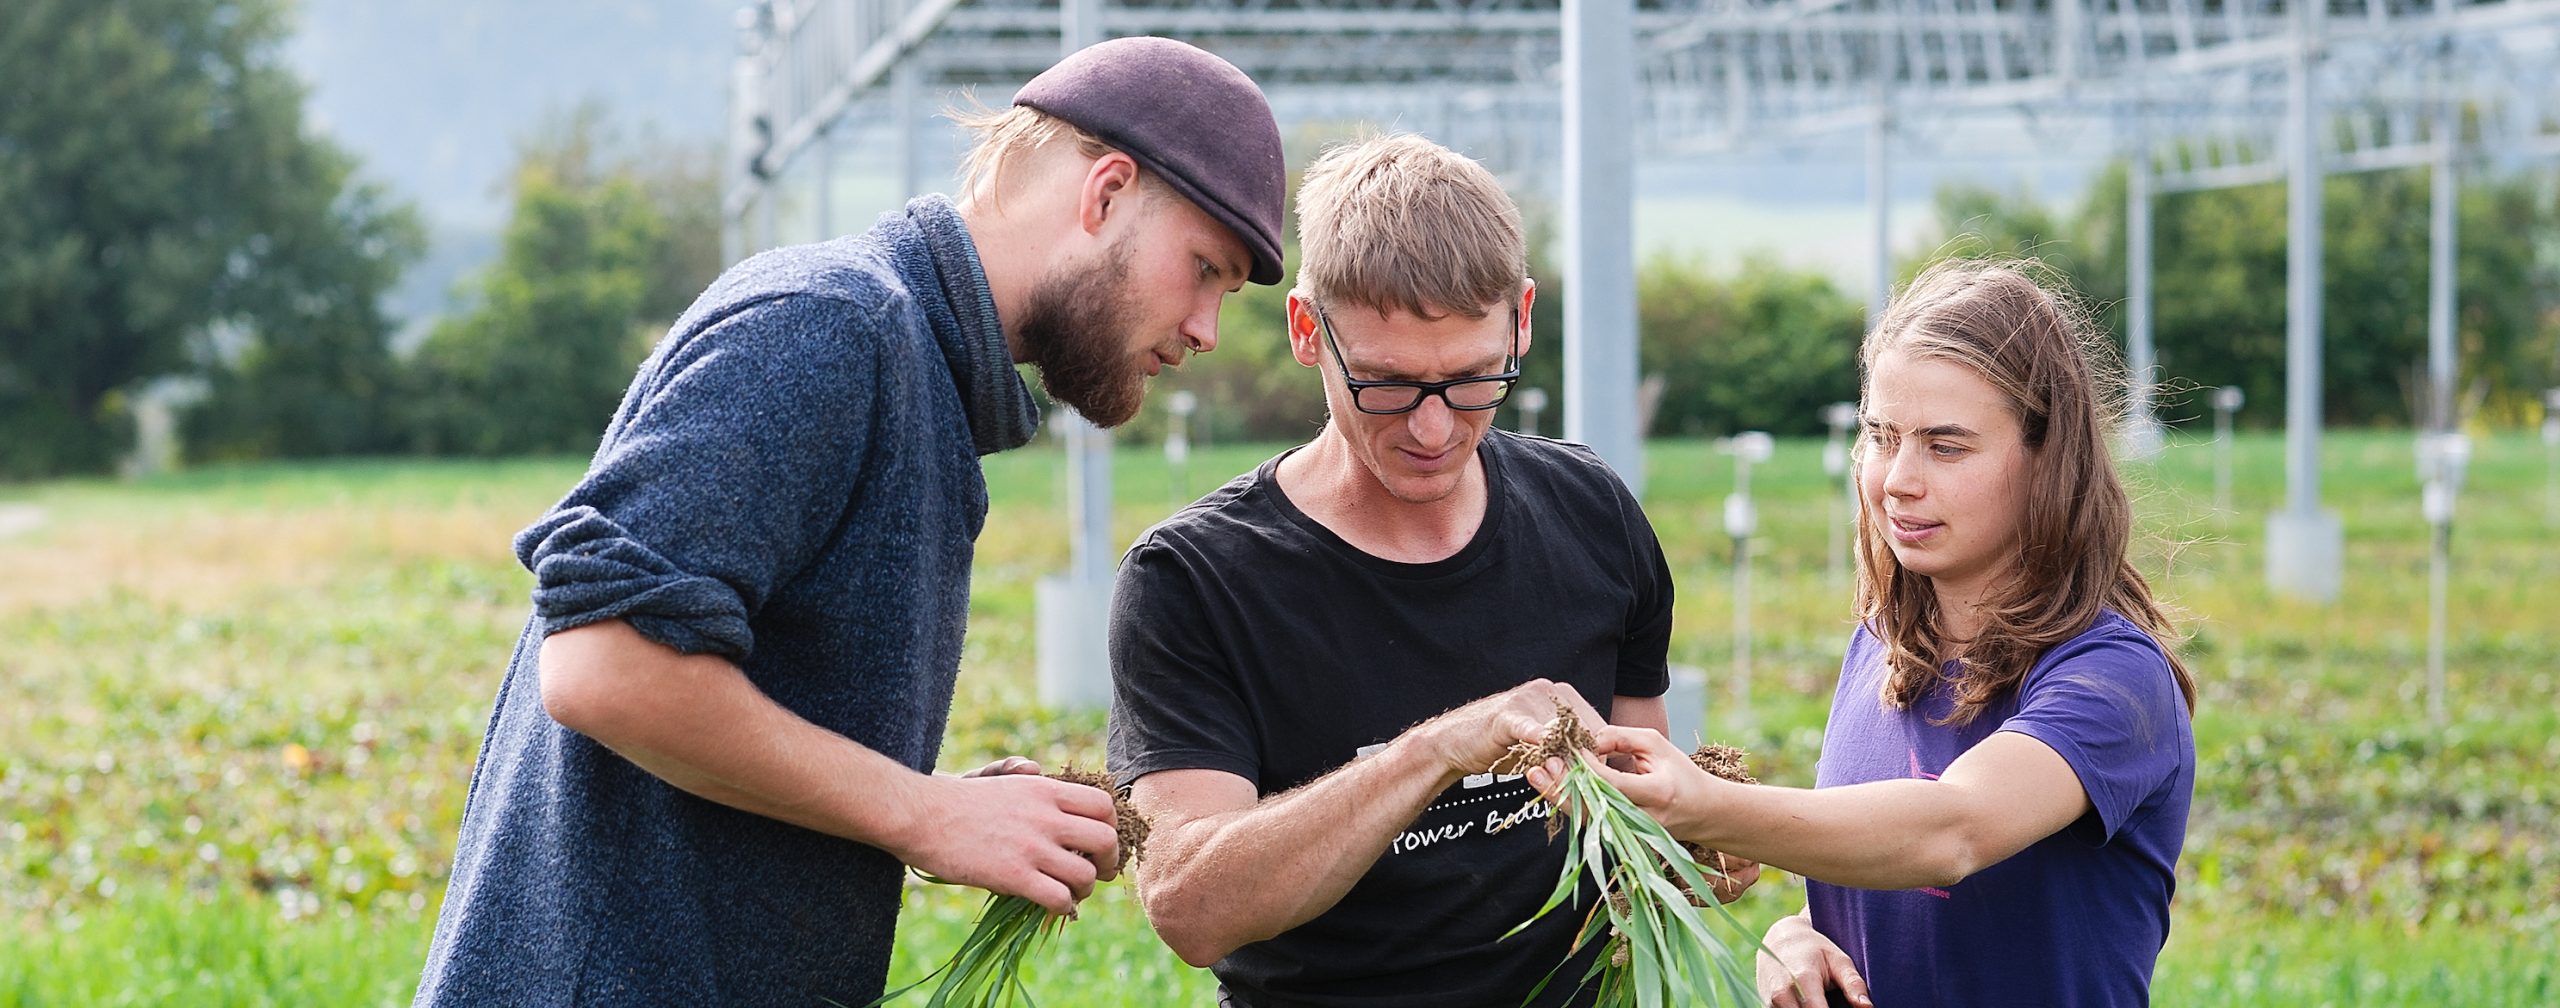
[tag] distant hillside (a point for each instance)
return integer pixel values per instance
(434, 94)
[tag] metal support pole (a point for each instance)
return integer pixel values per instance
(1879, 201)
(2440, 276)
(2439, 565)
(2141, 429)
(1079, 25)
(1840, 417)
(2305, 544)
(906, 86)
(2551, 456)
(825, 169)
(1742, 522)
(1532, 402)
(2443, 458)
(2444, 479)
(733, 238)
(1089, 447)
(2069, 30)
(2303, 218)
(1177, 444)
(2226, 401)
(1741, 718)
(1849, 497)
(1090, 557)
(746, 104)
(1599, 234)
(768, 217)
(1075, 608)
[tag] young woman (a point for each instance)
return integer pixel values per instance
(2002, 794)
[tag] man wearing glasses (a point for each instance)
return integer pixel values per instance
(1315, 664)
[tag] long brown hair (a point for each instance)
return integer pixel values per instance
(2061, 379)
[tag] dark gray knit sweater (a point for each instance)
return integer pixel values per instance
(791, 483)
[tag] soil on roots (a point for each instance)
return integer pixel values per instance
(1566, 739)
(1732, 764)
(1725, 761)
(1125, 817)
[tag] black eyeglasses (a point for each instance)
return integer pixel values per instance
(1387, 398)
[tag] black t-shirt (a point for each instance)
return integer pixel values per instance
(1248, 638)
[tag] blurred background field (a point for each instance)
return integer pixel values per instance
(239, 703)
(239, 708)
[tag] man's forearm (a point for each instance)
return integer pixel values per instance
(696, 722)
(1210, 884)
(699, 724)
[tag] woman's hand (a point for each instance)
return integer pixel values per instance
(1658, 777)
(1663, 782)
(1801, 966)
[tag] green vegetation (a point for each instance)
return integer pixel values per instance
(161, 203)
(2222, 253)
(240, 707)
(608, 242)
(166, 212)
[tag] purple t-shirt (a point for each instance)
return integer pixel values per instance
(2078, 917)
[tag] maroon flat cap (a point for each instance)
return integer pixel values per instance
(1186, 115)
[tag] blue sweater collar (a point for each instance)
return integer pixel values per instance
(1002, 414)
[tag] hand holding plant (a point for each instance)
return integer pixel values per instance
(1668, 946)
(1669, 785)
(987, 971)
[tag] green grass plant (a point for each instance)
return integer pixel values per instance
(987, 969)
(1661, 947)
(217, 948)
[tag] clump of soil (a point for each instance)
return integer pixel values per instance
(1619, 954)
(1566, 739)
(1732, 764)
(1725, 761)
(1125, 817)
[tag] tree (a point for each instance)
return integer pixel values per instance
(2218, 276)
(591, 269)
(156, 188)
(316, 376)
(1764, 349)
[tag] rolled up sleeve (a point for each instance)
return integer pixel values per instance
(732, 461)
(587, 568)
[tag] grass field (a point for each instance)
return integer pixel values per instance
(239, 706)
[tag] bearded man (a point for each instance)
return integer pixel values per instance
(711, 757)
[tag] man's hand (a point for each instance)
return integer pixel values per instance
(1468, 740)
(1007, 765)
(1014, 832)
(1802, 965)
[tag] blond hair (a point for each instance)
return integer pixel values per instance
(1013, 135)
(1399, 222)
(2060, 378)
